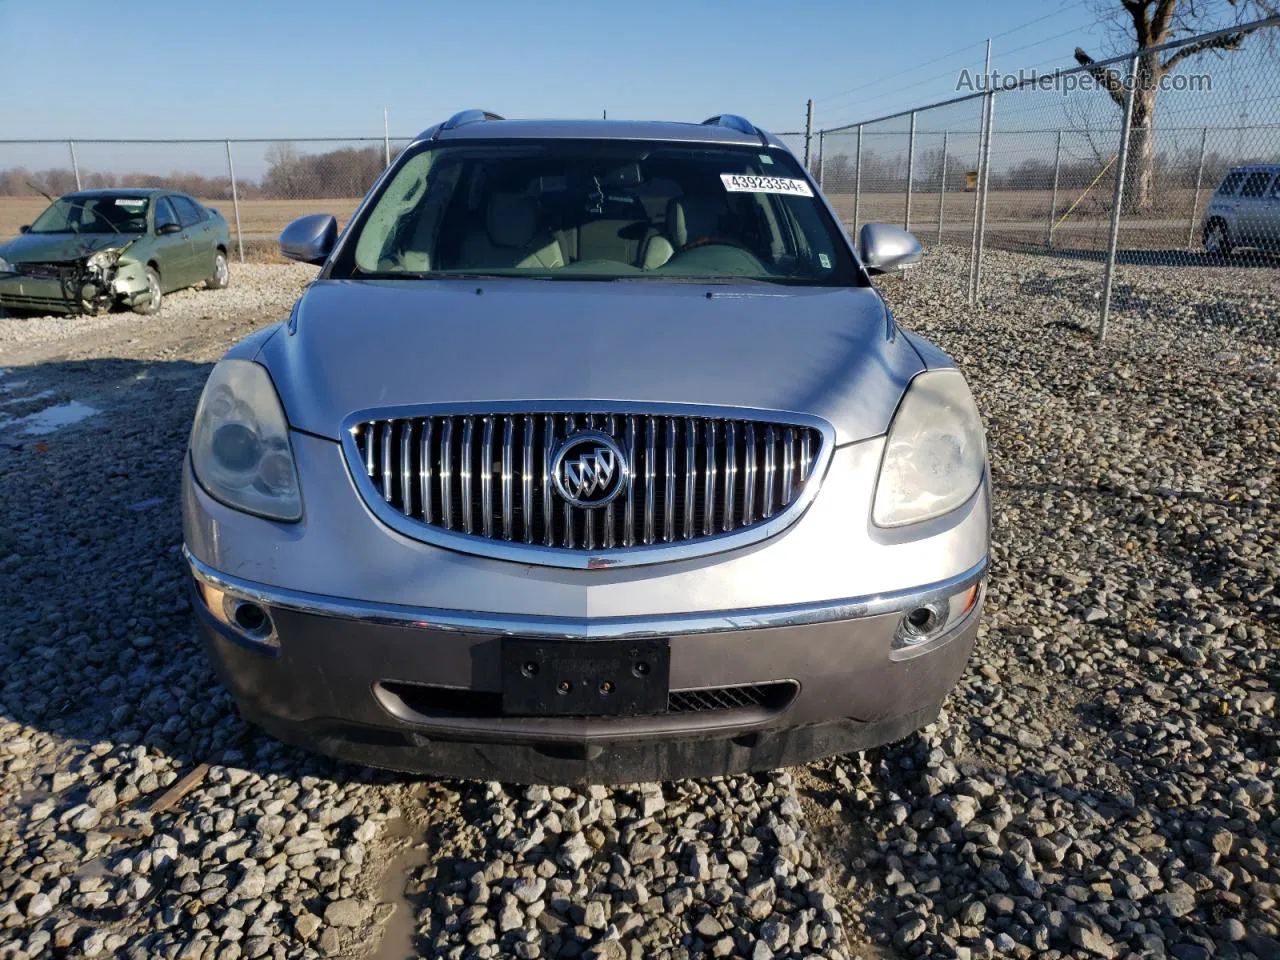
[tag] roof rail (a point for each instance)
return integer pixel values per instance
(733, 122)
(463, 117)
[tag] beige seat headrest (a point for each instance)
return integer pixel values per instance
(511, 219)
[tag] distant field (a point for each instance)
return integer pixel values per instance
(1020, 214)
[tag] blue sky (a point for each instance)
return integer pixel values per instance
(283, 68)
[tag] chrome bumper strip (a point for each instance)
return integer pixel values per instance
(583, 628)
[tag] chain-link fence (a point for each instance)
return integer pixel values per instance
(1136, 162)
(258, 185)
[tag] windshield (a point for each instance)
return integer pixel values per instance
(598, 210)
(78, 213)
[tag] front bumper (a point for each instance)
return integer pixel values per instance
(342, 677)
(358, 611)
(125, 284)
(45, 294)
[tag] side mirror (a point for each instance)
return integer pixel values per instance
(310, 239)
(884, 248)
(24, 228)
(166, 229)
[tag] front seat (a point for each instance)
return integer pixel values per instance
(510, 238)
(689, 217)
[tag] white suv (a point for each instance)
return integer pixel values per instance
(1244, 210)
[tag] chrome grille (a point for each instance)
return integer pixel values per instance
(488, 475)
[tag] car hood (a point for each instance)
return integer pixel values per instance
(53, 247)
(360, 345)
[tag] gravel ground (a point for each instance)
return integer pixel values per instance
(261, 291)
(1101, 784)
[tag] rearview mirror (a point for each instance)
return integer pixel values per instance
(884, 248)
(310, 239)
(24, 228)
(165, 229)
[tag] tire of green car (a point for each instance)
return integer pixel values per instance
(154, 294)
(221, 272)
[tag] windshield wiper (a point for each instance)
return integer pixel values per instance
(704, 281)
(359, 274)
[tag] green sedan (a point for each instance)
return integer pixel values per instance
(96, 249)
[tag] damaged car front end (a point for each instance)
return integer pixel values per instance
(88, 284)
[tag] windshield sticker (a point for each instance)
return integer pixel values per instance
(747, 183)
(131, 203)
(766, 159)
(825, 261)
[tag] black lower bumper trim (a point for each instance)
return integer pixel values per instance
(629, 761)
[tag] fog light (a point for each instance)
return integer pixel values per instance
(936, 618)
(252, 618)
(921, 623)
(244, 617)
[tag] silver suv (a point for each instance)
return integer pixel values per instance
(1244, 210)
(592, 454)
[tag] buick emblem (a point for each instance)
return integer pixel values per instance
(589, 469)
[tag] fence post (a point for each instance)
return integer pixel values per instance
(1117, 199)
(808, 133)
(911, 166)
(75, 167)
(1053, 204)
(985, 188)
(857, 179)
(386, 138)
(235, 201)
(942, 184)
(977, 196)
(822, 155)
(1195, 200)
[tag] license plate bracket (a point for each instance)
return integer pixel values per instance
(585, 678)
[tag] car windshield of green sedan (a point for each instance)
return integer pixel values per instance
(94, 214)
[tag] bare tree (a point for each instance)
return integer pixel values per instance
(282, 178)
(1151, 23)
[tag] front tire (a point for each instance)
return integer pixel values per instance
(1217, 241)
(221, 273)
(154, 295)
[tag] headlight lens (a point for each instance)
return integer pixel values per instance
(4, 266)
(103, 259)
(240, 443)
(936, 452)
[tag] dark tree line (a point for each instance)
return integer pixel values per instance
(346, 172)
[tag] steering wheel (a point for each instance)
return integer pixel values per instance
(712, 240)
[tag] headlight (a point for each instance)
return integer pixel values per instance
(103, 259)
(240, 443)
(936, 452)
(4, 266)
